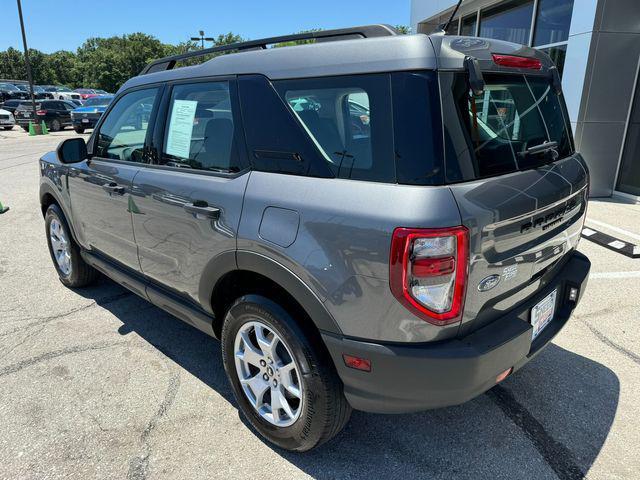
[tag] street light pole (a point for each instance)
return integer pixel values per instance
(26, 61)
(202, 38)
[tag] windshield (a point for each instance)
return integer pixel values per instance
(63, 89)
(10, 87)
(517, 123)
(97, 101)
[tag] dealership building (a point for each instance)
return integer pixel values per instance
(596, 45)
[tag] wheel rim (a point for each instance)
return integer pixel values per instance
(60, 246)
(268, 374)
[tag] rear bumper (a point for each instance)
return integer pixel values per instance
(409, 378)
(90, 123)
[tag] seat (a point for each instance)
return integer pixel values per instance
(217, 145)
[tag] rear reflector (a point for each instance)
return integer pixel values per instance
(504, 375)
(515, 61)
(358, 363)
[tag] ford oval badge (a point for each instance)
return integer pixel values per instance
(487, 283)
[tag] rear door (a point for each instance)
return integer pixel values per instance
(188, 204)
(101, 188)
(520, 187)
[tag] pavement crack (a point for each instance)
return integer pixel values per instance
(557, 455)
(634, 357)
(41, 320)
(139, 465)
(13, 368)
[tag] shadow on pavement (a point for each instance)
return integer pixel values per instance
(549, 420)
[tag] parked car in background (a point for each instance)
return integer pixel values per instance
(62, 93)
(11, 105)
(88, 115)
(6, 119)
(56, 114)
(9, 91)
(86, 92)
(77, 103)
(38, 92)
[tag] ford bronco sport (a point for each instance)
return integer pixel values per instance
(373, 221)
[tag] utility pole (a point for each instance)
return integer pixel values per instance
(202, 38)
(26, 61)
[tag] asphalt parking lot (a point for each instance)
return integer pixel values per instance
(98, 383)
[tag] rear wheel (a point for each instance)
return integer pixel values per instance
(72, 269)
(285, 385)
(55, 125)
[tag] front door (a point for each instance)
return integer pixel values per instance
(189, 204)
(101, 188)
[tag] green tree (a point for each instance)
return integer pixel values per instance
(12, 64)
(104, 63)
(403, 29)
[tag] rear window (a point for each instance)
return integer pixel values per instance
(517, 123)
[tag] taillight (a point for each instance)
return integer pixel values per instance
(516, 61)
(41, 112)
(428, 271)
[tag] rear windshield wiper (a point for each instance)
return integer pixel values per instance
(542, 148)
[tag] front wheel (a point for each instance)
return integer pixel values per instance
(284, 383)
(72, 269)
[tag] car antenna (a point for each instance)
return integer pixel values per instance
(453, 14)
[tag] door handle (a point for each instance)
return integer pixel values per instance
(202, 209)
(114, 188)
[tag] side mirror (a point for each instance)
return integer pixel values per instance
(72, 150)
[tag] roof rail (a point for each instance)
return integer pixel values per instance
(367, 31)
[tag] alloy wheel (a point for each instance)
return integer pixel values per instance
(268, 374)
(60, 246)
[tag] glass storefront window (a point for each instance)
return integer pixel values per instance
(553, 21)
(557, 54)
(510, 21)
(452, 29)
(468, 28)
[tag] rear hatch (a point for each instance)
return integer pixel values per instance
(510, 162)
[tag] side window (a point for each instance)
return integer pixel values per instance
(199, 132)
(123, 132)
(349, 120)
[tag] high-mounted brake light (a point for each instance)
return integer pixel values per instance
(515, 61)
(428, 271)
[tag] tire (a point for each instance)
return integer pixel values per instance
(8, 128)
(79, 274)
(323, 410)
(79, 129)
(55, 125)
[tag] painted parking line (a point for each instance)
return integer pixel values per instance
(614, 275)
(607, 241)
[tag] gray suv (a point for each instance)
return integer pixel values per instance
(373, 221)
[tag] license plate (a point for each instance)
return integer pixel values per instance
(85, 120)
(542, 313)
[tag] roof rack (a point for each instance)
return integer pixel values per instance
(367, 31)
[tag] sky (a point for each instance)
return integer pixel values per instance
(65, 24)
